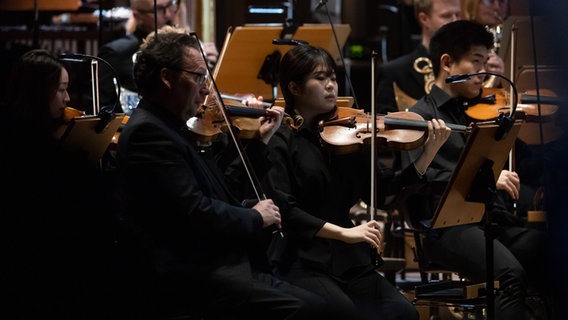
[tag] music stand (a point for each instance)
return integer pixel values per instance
(91, 134)
(472, 187)
(247, 48)
(50, 5)
(458, 204)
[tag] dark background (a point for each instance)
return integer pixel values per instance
(374, 23)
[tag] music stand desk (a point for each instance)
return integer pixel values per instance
(246, 48)
(472, 188)
(457, 206)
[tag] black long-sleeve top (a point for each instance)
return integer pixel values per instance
(439, 105)
(312, 186)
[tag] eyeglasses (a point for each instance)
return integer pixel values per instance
(172, 6)
(200, 77)
(489, 2)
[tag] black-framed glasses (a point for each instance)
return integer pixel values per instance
(489, 2)
(172, 6)
(200, 77)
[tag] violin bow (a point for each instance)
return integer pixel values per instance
(371, 206)
(512, 107)
(253, 178)
(373, 136)
(234, 137)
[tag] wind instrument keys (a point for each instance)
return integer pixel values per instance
(423, 65)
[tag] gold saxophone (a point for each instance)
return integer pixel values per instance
(497, 33)
(422, 65)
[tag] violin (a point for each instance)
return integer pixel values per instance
(496, 101)
(116, 136)
(68, 114)
(529, 105)
(209, 123)
(397, 130)
(543, 128)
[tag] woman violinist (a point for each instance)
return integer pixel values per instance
(52, 236)
(315, 189)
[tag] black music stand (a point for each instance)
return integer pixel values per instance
(244, 62)
(471, 190)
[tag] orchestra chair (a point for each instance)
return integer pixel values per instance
(444, 293)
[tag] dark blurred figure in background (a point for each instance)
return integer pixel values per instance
(55, 230)
(412, 73)
(555, 159)
(120, 52)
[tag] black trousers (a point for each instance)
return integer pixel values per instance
(520, 255)
(364, 296)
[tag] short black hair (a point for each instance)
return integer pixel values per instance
(456, 39)
(298, 64)
(165, 50)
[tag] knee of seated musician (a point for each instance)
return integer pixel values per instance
(512, 281)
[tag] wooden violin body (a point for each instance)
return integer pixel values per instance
(68, 114)
(353, 129)
(540, 127)
(495, 101)
(530, 110)
(209, 123)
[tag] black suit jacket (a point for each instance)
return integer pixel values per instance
(119, 54)
(400, 71)
(193, 231)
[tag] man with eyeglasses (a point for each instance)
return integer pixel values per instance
(189, 221)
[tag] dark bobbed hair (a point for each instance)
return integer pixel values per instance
(33, 83)
(297, 64)
(164, 51)
(456, 39)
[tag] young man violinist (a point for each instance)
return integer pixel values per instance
(463, 47)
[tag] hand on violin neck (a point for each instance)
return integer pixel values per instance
(270, 123)
(254, 102)
(438, 134)
(247, 100)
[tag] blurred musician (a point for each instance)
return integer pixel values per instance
(406, 79)
(491, 14)
(119, 53)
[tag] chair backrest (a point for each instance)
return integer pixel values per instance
(403, 100)
(409, 202)
(416, 221)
